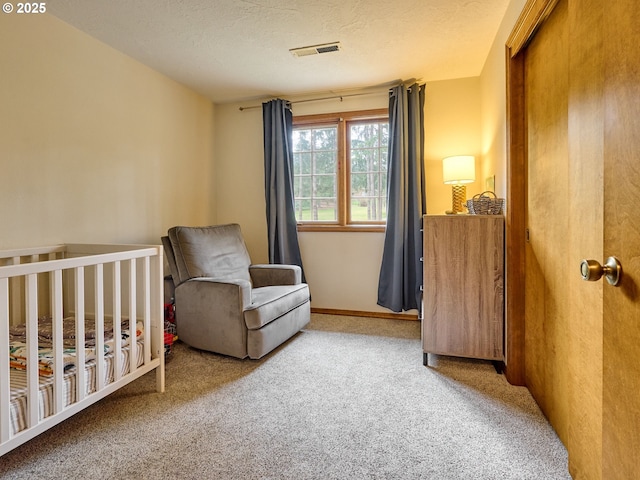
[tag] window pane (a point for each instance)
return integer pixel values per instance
(384, 134)
(364, 160)
(325, 138)
(315, 173)
(368, 155)
(303, 209)
(303, 187)
(301, 140)
(358, 210)
(359, 161)
(365, 135)
(324, 186)
(359, 185)
(368, 209)
(325, 162)
(325, 210)
(301, 163)
(305, 163)
(296, 164)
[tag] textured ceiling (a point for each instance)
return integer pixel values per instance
(233, 50)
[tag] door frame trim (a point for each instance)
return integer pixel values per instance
(533, 14)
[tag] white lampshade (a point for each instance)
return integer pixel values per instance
(459, 169)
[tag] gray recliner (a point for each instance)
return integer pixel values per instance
(224, 304)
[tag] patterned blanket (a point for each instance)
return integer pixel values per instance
(18, 346)
(18, 357)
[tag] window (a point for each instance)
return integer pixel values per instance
(340, 170)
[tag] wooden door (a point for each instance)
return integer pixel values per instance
(548, 249)
(580, 76)
(621, 319)
(585, 129)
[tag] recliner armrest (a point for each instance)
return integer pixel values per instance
(210, 314)
(264, 275)
(218, 292)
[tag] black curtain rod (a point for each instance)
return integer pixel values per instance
(341, 97)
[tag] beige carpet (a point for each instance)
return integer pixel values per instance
(348, 398)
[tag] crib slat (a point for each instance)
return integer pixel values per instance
(57, 318)
(16, 310)
(156, 337)
(133, 344)
(4, 360)
(117, 322)
(147, 310)
(81, 389)
(31, 301)
(99, 325)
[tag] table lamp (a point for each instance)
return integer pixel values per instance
(457, 171)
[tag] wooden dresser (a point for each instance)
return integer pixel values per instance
(463, 287)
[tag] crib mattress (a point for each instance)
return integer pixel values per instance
(18, 383)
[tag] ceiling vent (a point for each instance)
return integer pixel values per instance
(316, 49)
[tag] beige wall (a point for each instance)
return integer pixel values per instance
(493, 103)
(342, 268)
(451, 127)
(94, 146)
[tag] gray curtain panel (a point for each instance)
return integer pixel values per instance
(278, 177)
(401, 269)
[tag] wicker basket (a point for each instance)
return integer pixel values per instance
(484, 204)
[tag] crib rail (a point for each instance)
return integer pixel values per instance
(90, 283)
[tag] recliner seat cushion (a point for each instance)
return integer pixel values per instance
(269, 303)
(217, 251)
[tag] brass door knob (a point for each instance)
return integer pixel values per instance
(591, 270)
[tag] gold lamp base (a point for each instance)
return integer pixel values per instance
(458, 197)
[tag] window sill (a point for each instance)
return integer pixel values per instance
(306, 227)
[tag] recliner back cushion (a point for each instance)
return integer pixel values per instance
(218, 251)
(171, 259)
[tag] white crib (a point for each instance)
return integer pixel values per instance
(85, 285)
